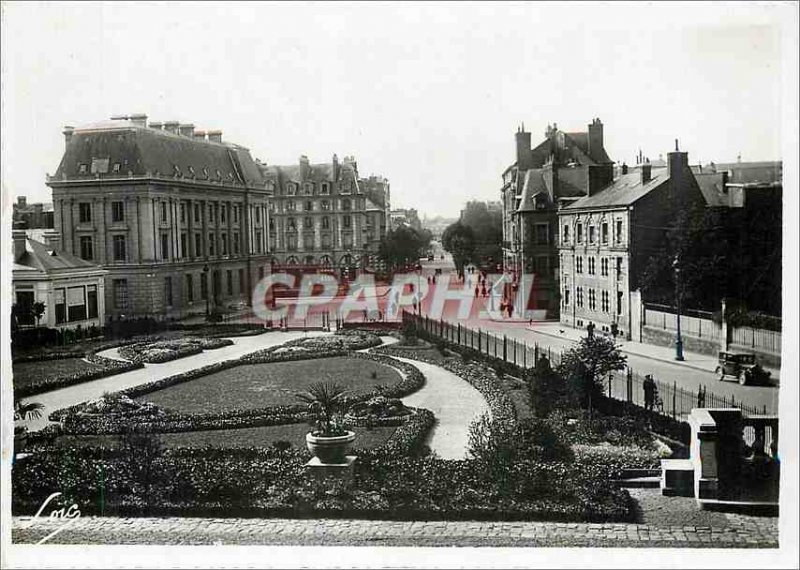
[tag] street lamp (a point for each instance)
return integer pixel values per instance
(208, 289)
(678, 340)
(419, 291)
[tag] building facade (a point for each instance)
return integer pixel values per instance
(561, 167)
(33, 216)
(323, 217)
(176, 216)
(606, 238)
(72, 289)
(405, 217)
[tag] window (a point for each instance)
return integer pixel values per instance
(116, 167)
(541, 234)
(211, 241)
(224, 244)
(308, 223)
(198, 245)
(565, 237)
(326, 241)
(591, 234)
(119, 248)
(84, 212)
(604, 267)
(59, 301)
(566, 295)
(25, 300)
(117, 212)
(183, 251)
(619, 268)
(591, 265)
(235, 243)
(86, 248)
(308, 206)
(197, 213)
(189, 288)
(204, 286)
(168, 291)
(579, 233)
(164, 246)
(579, 296)
(308, 242)
(82, 168)
(291, 242)
(91, 301)
(258, 215)
(308, 189)
(347, 240)
(346, 221)
(325, 189)
(259, 245)
(222, 213)
(604, 233)
(592, 300)
(619, 302)
(290, 189)
(236, 214)
(120, 287)
(229, 280)
(163, 212)
(618, 232)
(291, 206)
(211, 213)
(325, 205)
(579, 264)
(241, 281)
(604, 301)
(183, 213)
(345, 203)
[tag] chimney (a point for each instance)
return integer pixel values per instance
(139, 119)
(157, 125)
(677, 161)
(646, 172)
(22, 201)
(595, 139)
(187, 129)
(199, 135)
(215, 136)
(523, 149)
(19, 237)
(599, 176)
(68, 131)
(624, 168)
(171, 126)
(52, 238)
(305, 169)
(119, 118)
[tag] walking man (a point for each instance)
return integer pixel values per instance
(649, 387)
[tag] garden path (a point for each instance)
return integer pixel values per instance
(78, 393)
(455, 403)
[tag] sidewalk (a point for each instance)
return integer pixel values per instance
(703, 362)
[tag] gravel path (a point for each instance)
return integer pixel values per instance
(78, 393)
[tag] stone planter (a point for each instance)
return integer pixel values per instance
(330, 450)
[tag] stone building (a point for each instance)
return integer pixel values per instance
(176, 216)
(405, 217)
(606, 238)
(563, 166)
(72, 289)
(33, 216)
(323, 217)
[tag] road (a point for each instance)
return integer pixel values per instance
(687, 375)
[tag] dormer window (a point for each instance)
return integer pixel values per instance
(290, 189)
(205, 172)
(83, 168)
(325, 189)
(218, 173)
(116, 167)
(271, 187)
(176, 171)
(308, 188)
(191, 172)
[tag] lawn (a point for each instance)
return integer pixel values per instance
(26, 373)
(253, 386)
(243, 437)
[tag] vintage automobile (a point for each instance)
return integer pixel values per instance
(741, 366)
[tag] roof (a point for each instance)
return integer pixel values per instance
(143, 151)
(625, 190)
(713, 188)
(764, 171)
(533, 186)
(43, 258)
(316, 173)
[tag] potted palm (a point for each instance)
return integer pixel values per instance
(24, 411)
(330, 441)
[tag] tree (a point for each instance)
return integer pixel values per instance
(547, 390)
(459, 240)
(486, 224)
(584, 366)
(37, 309)
(402, 245)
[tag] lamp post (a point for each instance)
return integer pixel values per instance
(208, 289)
(419, 291)
(678, 340)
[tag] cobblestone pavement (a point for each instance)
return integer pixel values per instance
(740, 532)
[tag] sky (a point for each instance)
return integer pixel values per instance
(427, 95)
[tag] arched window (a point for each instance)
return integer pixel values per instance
(292, 260)
(325, 189)
(290, 189)
(325, 261)
(309, 260)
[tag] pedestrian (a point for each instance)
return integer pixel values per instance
(590, 329)
(649, 387)
(483, 290)
(477, 291)
(365, 315)
(614, 330)
(510, 307)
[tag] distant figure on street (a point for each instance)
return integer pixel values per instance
(483, 290)
(650, 390)
(365, 315)
(477, 291)
(590, 329)
(510, 307)
(614, 330)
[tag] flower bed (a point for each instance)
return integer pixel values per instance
(108, 367)
(165, 350)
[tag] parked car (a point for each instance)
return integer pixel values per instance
(742, 367)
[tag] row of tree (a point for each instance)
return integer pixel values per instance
(477, 237)
(404, 245)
